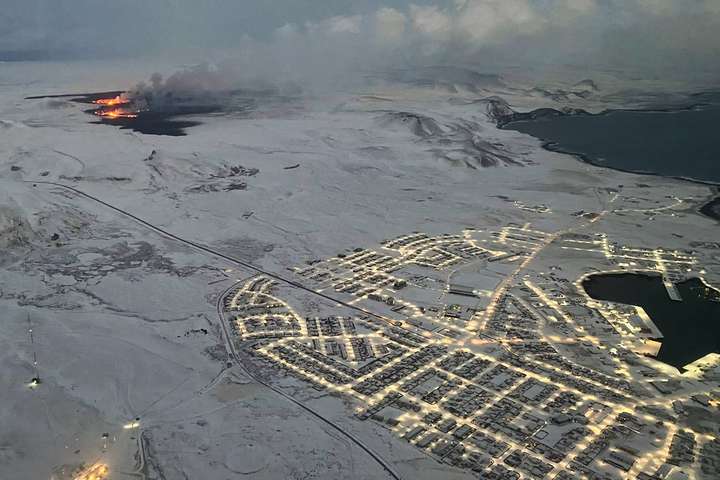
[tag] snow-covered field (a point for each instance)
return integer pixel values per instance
(124, 319)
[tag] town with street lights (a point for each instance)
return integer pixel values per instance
(478, 349)
(406, 278)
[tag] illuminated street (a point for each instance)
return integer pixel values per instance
(519, 373)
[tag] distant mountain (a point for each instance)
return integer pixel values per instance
(419, 125)
(587, 85)
(458, 142)
(498, 110)
(453, 79)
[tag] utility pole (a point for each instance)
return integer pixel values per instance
(36, 379)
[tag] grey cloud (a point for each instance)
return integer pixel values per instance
(329, 38)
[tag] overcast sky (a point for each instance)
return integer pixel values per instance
(681, 34)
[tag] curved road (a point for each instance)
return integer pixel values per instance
(229, 345)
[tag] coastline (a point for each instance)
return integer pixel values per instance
(539, 113)
(554, 147)
(710, 209)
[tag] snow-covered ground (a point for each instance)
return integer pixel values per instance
(124, 320)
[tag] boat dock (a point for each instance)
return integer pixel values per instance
(672, 290)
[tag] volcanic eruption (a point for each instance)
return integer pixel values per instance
(154, 107)
(118, 106)
(134, 110)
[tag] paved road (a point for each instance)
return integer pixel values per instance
(229, 345)
(233, 352)
(208, 250)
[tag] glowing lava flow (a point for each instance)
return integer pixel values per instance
(111, 101)
(114, 108)
(116, 113)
